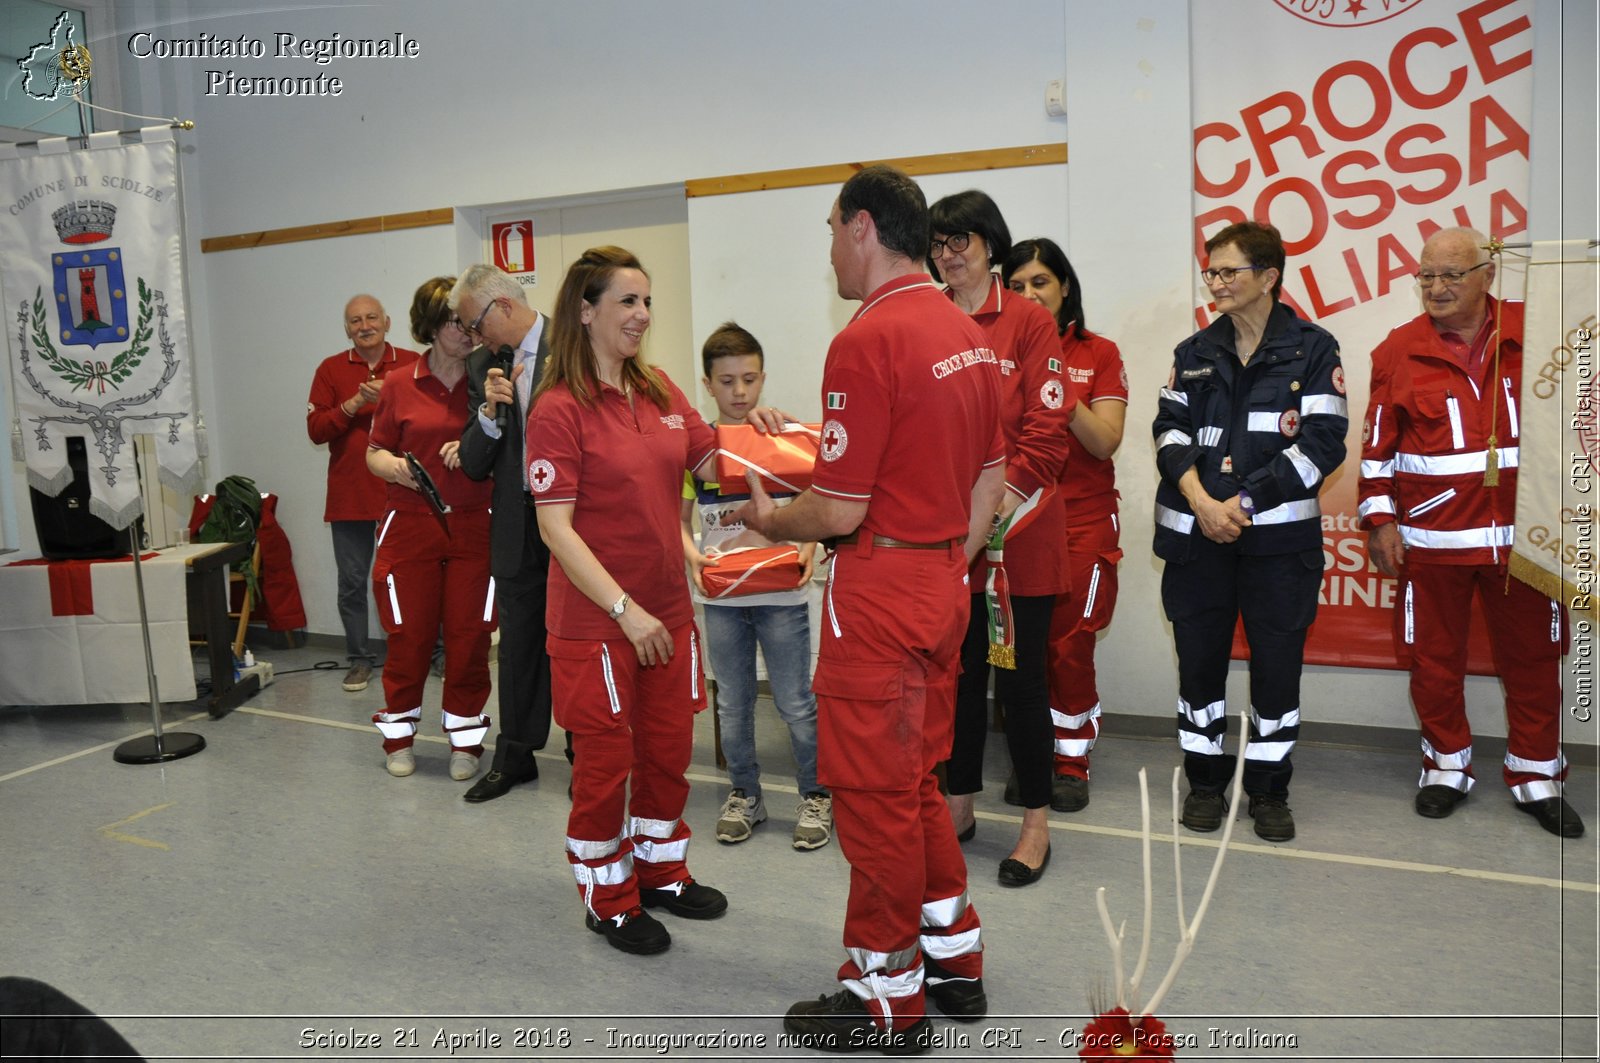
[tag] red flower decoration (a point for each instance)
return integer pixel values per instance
(1114, 1036)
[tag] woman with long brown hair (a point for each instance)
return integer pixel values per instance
(609, 439)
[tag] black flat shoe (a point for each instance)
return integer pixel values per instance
(1015, 873)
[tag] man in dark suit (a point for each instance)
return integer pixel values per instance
(495, 312)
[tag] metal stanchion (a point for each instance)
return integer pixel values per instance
(154, 748)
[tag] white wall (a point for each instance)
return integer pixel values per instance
(523, 100)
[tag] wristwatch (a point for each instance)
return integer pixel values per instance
(618, 609)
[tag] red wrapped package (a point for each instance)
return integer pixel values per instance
(752, 570)
(783, 461)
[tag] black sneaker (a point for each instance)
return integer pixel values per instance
(841, 1023)
(1203, 812)
(1013, 792)
(1069, 793)
(1274, 821)
(961, 999)
(687, 898)
(635, 931)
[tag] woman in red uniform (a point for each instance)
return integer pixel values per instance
(609, 439)
(969, 239)
(424, 574)
(1039, 270)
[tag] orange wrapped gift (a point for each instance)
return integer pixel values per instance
(752, 570)
(783, 461)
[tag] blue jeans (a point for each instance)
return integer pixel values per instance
(784, 633)
(353, 544)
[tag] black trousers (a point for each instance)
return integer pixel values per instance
(524, 671)
(1024, 692)
(1276, 595)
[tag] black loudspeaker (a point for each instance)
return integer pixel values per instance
(67, 530)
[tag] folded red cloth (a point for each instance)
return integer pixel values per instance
(783, 461)
(752, 570)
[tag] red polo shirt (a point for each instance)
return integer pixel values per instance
(416, 412)
(620, 465)
(911, 398)
(353, 492)
(1095, 367)
(1036, 404)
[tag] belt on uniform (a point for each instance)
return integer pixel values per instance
(894, 544)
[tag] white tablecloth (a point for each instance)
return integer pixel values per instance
(50, 655)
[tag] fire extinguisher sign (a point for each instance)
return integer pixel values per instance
(513, 249)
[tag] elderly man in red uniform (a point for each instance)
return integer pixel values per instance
(1438, 498)
(911, 467)
(339, 413)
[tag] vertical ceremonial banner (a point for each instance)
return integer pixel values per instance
(1560, 437)
(1358, 128)
(91, 274)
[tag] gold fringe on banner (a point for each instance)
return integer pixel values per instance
(1554, 586)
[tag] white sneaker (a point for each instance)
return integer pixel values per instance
(401, 762)
(463, 766)
(739, 816)
(814, 827)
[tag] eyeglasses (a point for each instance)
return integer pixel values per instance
(1225, 274)
(456, 321)
(477, 322)
(1451, 279)
(956, 242)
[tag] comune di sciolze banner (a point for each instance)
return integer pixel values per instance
(93, 285)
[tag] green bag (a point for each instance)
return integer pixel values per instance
(234, 518)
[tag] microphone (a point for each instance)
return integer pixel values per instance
(503, 358)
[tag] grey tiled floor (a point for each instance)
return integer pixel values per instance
(279, 888)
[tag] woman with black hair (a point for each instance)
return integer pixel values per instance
(1017, 591)
(1039, 270)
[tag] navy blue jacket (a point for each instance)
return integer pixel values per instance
(1275, 428)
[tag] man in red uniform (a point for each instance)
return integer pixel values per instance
(344, 393)
(912, 464)
(1443, 414)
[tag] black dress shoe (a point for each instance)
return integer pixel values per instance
(1015, 873)
(966, 835)
(499, 783)
(635, 931)
(1555, 816)
(1437, 802)
(961, 999)
(689, 899)
(841, 1023)
(1068, 793)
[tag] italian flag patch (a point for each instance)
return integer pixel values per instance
(835, 400)
(1055, 365)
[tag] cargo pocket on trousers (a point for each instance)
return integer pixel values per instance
(868, 736)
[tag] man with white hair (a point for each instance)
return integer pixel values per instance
(1438, 498)
(344, 393)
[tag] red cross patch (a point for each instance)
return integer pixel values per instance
(1338, 379)
(834, 441)
(541, 476)
(1289, 423)
(1052, 394)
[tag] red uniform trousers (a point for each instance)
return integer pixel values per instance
(892, 625)
(1527, 635)
(632, 727)
(1092, 554)
(420, 579)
